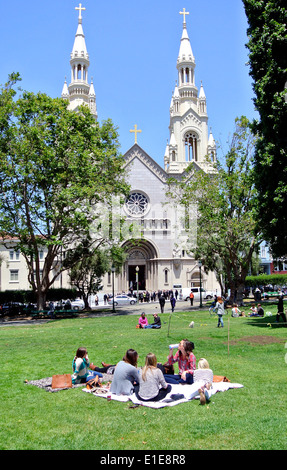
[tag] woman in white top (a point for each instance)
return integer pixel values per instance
(204, 376)
(202, 385)
(152, 385)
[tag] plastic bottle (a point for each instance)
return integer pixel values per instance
(173, 346)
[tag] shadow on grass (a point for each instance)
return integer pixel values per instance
(266, 321)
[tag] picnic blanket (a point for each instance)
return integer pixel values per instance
(46, 383)
(179, 394)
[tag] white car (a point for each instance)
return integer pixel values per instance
(122, 300)
(209, 294)
(78, 304)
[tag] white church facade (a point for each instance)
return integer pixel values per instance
(157, 248)
(158, 255)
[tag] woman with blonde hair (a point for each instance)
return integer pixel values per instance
(202, 385)
(152, 385)
(203, 378)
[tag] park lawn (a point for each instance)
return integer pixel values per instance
(253, 417)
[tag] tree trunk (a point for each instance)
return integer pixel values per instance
(41, 299)
(85, 299)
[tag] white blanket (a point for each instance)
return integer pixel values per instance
(188, 391)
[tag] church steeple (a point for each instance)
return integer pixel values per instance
(186, 65)
(79, 91)
(188, 114)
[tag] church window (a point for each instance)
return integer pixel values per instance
(166, 276)
(79, 72)
(137, 204)
(187, 74)
(173, 156)
(191, 147)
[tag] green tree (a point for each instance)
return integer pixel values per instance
(267, 33)
(226, 208)
(89, 264)
(56, 166)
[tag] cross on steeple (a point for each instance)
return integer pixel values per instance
(80, 8)
(184, 13)
(136, 131)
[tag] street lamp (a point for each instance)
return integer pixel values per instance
(113, 284)
(200, 293)
(137, 281)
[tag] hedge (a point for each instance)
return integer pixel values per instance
(265, 279)
(27, 296)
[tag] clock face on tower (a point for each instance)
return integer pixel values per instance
(137, 204)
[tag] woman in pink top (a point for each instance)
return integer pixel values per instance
(143, 320)
(186, 363)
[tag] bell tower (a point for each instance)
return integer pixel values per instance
(79, 91)
(189, 140)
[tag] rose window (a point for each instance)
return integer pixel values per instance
(137, 204)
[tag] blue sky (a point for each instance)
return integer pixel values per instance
(133, 49)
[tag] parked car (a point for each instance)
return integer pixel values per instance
(122, 300)
(12, 308)
(209, 294)
(78, 304)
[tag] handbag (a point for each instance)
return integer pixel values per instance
(220, 378)
(93, 383)
(62, 381)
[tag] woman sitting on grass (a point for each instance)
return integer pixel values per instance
(81, 368)
(186, 363)
(152, 385)
(143, 321)
(203, 376)
(126, 374)
(202, 385)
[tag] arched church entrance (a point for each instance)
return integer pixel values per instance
(141, 268)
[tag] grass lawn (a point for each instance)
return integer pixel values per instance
(253, 417)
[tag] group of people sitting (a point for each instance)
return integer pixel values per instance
(143, 321)
(255, 311)
(150, 383)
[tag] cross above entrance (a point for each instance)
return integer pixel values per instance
(136, 131)
(80, 8)
(184, 13)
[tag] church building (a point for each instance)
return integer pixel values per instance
(158, 255)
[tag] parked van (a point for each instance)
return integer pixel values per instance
(196, 292)
(185, 291)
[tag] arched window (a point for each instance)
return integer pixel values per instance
(166, 276)
(191, 147)
(79, 72)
